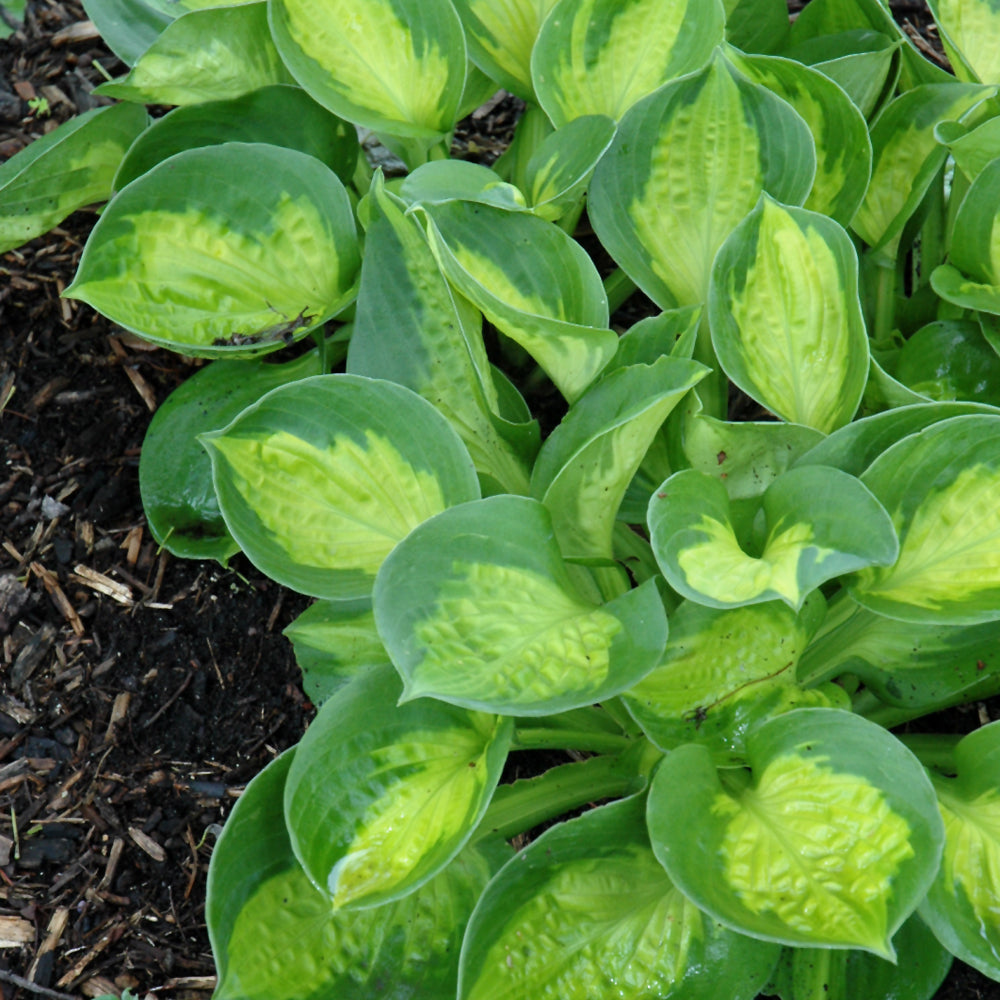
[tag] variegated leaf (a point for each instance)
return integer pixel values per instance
(687, 165)
(941, 487)
(908, 156)
(477, 608)
(320, 479)
(961, 907)
(785, 315)
(844, 151)
(232, 249)
(205, 55)
(831, 840)
(411, 327)
(395, 66)
(807, 542)
(757, 25)
(586, 464)
(501, 35)
(950, 359)
(970, 33)
(72, 166)
(586, 911)
(380, 798)
(275, 937)
(577, 62)
(532, 281)
(724, 671)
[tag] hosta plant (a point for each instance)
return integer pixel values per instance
(708, 565)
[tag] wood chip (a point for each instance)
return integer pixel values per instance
(132, 545)
(59, 599)
(81, 31)
(111, 868)
(106, 938)
(146, 843)
(142, 387)
(191, 983)
(118, 712)
(25, 90)
(53, 935)
(102, 584)
(15, 932)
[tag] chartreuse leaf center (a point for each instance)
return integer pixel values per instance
(816, 848)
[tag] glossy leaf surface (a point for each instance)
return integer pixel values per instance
(940, 486)
(586, 911)
(320, 479)
(687, 165)
(179, 68)
(833, 842)
(476, 608)
(380, 798)
(961, 906)
(72, 166)
(231, 249)
(807, 540)
(785, 316)
(396, 66)
(583, 46)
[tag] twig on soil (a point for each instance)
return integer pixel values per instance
(169, 701)
(27, 984)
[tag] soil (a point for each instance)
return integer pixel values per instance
(138, 693)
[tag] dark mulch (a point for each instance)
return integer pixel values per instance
(138, 693)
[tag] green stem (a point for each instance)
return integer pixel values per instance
(615, 707)
(618, 287)
(568, 739)
(885, 302)
(527, 803)
(713, 389)
(934, 750)
(823, 657)
(568, 222)
(865, 703)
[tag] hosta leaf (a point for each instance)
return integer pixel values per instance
(973, 149)
(559, 171)
(808, 540)
(280, 115)
(854, 447)
(72, 166)
(501, 35)
(908, 156)
(941, 487)
(844, 151)
(533, 282)
(395, 66)
(321, 478)
(833, 842)
(687, 165)
(598, 57)
(724, 671)
(961, 906)
(442, 181)
(586, 911)
(757, 25)
(275, 937)
(902, 662)
(476, 608)
(232, 249)
(380, 798)
(334, 641)
(175, 473)
(950, 359)
(205, 55)
(970, 33)
(921, 964)
(587, 462)
(411, 327)
(128, 27)
(785, 315)
(746, 457)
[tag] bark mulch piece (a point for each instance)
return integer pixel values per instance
(138, 693)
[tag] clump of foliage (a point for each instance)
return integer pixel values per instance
(722, 619)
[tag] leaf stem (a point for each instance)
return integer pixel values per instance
(568, 739)
(525, 804)
(885, 301)
(618, 287)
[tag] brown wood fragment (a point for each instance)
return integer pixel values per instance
(98, 986)
(81, 31)
(191, 983)
(61, 601)
(118, 712)
(132, 545)
(146, 843)
(53, 935)
(112, 934)
(24, 90)
(142, 387)
(31, 655)
(102, 584)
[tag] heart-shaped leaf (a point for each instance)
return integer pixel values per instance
(380, 798)
(785, 315)
(477, 608)
(808, 541)
(230, 249)
(320, 479)
(586, 911)
(833, 842)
